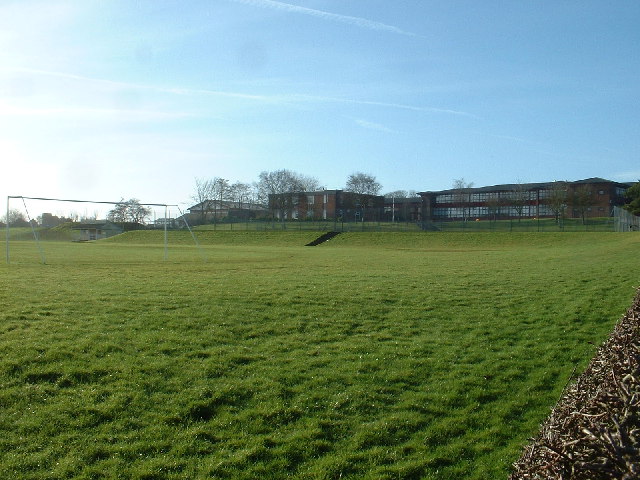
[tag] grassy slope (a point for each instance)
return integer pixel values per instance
(371, 356)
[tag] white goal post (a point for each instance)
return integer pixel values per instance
(35, 236)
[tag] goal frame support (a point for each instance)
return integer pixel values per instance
(7, 227)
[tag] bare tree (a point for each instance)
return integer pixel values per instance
(519, 198)
(307, 184)
(15, 218)
(129, 211)
(462, 195)
(240, 193)
(280, 189)
(119, 212)
(557, 200)
(362, 187)
(219, 192)
(493, 203)
(581, 201)
(362, 184)
(202, 196)
(397, 194)
(136, 212)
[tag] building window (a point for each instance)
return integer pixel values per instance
(444, 198)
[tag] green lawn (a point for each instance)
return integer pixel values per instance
(375, 355)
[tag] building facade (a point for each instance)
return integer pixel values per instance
(96, 230)
(406, 209)
(327, 205)
(214, 210)
(592, 197)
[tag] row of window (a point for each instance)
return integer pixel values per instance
(489, 196)
(478, 212)
(528, 195)
(311, 199)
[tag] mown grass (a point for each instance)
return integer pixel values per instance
(373, 356)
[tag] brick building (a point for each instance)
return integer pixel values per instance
(406, 209)
(592, 197)
(211, 210)
(327, 205)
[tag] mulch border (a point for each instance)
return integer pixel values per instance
(593, 432)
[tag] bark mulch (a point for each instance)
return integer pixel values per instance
(594, 430)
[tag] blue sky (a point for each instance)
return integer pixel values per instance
(108, 99)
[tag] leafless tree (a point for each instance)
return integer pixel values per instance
(119, 212)
(129, 211)
(15, 218)
(307, 184)
(493, 203)
(362, 184)
(581, 201)
(362, 187)
(280, 189)
(557, 200)
(202, 196)
(240, 193)
(397, 194)
(462, 195)
(519, 198)
(136, 212)
(219, 193)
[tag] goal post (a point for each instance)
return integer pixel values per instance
(31, 221)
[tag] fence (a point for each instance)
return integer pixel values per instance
(603, 224)
(625, 221)
(622, 221)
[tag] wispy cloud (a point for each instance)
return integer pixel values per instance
(372, 125)
(275, 99)
(416, 108)
(511, 138)
(85, 112)
(138, 86)
(333, 17)
(399, 106)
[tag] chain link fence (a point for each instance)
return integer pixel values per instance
(625, 221)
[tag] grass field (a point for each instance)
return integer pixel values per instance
(375, 355)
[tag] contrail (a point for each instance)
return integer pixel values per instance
(334, 17)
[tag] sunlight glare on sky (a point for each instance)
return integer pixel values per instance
(119, 99)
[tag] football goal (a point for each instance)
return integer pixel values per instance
(106, 219)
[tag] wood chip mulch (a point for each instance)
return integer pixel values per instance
(594, 430)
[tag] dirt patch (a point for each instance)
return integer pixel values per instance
(594, 430)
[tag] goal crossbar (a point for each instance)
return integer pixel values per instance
(9, 197)
(91, 201)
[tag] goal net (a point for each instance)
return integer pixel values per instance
(58, 227)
